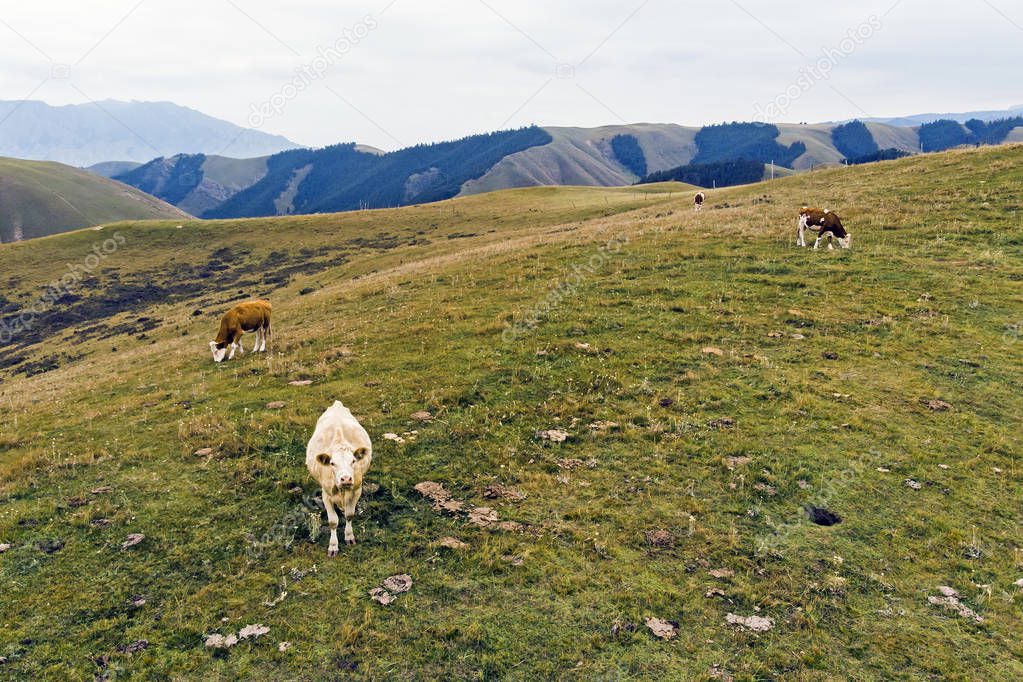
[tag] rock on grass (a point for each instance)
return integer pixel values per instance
(662, 629)
(751, 623)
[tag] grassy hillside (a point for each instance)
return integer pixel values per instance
(583, 156)
(39, 198)
(744, 377)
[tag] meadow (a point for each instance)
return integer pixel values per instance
(644, 396)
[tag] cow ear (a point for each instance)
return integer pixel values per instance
(323, 458)
(361, 452)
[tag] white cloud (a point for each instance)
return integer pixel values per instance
(441, 69)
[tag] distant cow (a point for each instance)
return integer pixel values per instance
(825, 224)
(253, 316)
(700, 198)
(338, 456)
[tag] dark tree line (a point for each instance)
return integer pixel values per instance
(719, 174)
(746, 141)
(628, 152)
(854, 140)
(944, 134)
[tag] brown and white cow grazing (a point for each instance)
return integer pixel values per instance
(338, 457)
(700, 198)
(825, 224)
(253, 316)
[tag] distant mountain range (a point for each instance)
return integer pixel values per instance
(920, 119)
(87, 134)
(347, 177)
(40, 198)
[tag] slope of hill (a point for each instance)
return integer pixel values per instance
(708, 387)
(343, 177)
(86, 134)
(583, 156)
(111, 169)
(39, 198)
(195, 182)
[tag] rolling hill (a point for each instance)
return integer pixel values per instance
(343, 177)
(39, 198)
(87, 134)
(634, 406)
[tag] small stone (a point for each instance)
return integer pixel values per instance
(394, 437)
(452, 543)
(101, 523)
(102, 490)
(601, 426)
(721, 573)
(203, 452)
(943, 466)
(397, 584)
(711, 350)
(134, 647)
(735, 462)
(132, 540)
(276, 405)
(381, 596)
(553, 435)
(714, 592)
(4, 546)
(662, 629)
(722, 423)
(752, 623)
(798, 337)
(660, 538)
(829, 355)
(253, 631)
(301, 382)
(512, 559)
(422, 416)
(483, 516)
(938, 405)
(913, 484)
(884, 470)
(283, 646)
(1019, 583)
(220, 641)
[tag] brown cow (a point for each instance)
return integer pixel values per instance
(825, 224)
(253, 316)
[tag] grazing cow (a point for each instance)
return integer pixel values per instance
(700, 198)
(826, 224)
(253, 316)
(338, 456)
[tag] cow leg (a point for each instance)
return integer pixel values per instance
(332, 548)
(234, 347)
(262, 335)
(351, 499)
(259, 339)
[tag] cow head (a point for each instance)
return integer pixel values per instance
(218, 352)
(343, 469)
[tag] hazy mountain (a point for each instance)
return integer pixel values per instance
(87, 134)
(39, 198)
(920, 119)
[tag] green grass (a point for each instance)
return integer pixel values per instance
(413, 319)
(41, 198)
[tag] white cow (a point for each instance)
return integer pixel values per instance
(338, 456)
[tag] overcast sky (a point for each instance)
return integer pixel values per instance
(396, 73)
